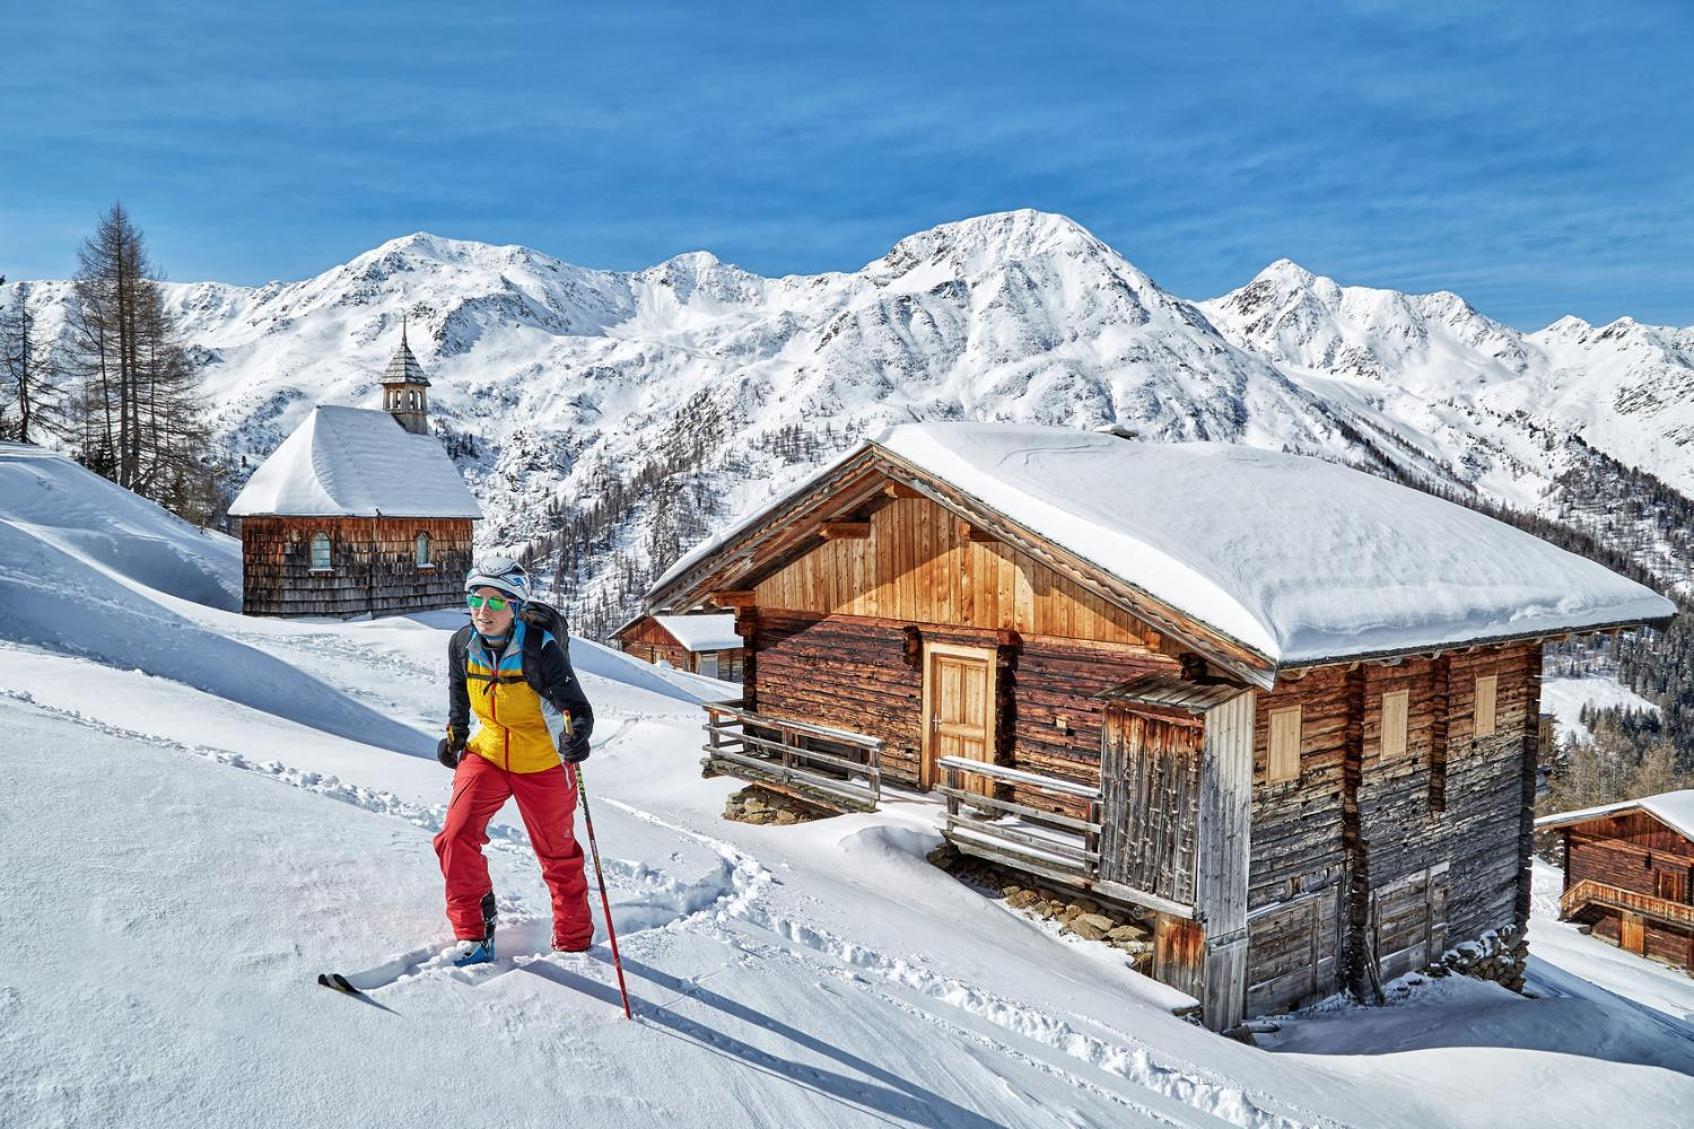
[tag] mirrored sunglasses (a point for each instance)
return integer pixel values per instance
(495, 603)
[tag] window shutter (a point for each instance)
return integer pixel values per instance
(1487, 690)
(1283, 762)
(1395, 706)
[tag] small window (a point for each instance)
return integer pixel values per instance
(1395, 707)
(423, 550)
(1487, 691)
(1284, 754)
(320, 552)
(709, 664)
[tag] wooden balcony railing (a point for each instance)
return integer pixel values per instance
(1045, 842)
(1589, 892)
(833, 766)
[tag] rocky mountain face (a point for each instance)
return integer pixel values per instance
(624, 413)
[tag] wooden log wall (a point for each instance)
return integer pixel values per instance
(646, 640)
(1297, 846)
(1481, 831)
(1361, 820)
(1659, 942)
(1632, 851)
(858, 673)
(373, 565)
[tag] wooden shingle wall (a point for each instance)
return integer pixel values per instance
(373, 565)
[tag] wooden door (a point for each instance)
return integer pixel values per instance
(1632, 933)
(958, 710)
(1409, 921)
(1293, 952)
(1671, 887)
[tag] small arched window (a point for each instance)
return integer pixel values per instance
(423, 550)
(320, 551)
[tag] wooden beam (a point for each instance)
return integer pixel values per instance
(899, 490)
(969, 532)
(844, 530)
(733, 599)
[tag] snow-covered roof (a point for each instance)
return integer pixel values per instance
(354, 462)
(1673, 809)
(1298, 559)
(701, 632)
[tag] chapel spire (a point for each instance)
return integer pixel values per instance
(405, 388)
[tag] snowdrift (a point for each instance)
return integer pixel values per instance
(91, 570)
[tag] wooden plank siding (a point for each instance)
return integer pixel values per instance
(373, 565)
(917, 565)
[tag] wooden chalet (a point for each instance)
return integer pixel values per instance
(1287, 707)
(703, 644)
(1629, 873)
(357, 511)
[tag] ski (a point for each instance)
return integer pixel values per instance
(338, 982)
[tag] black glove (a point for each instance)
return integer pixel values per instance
(450, 749)
(575, 750)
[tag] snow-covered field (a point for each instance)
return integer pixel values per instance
(200, 812)
(1564, 697)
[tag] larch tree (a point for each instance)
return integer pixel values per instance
(29, 392)
(139, 419)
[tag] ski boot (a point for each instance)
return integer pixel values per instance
(473, 952)
(481, 952)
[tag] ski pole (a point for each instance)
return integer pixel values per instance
(600, 877)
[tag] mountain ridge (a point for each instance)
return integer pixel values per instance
(551, 380)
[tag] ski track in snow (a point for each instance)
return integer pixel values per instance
(1137, 1063)
(733, 894)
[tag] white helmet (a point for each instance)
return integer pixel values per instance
(502, 573)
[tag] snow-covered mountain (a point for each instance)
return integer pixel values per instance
(1627, 389)
(552, 381)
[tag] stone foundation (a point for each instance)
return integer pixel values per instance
(1498, 956)
(1129, 931)
(757, 805)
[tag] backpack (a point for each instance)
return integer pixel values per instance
(540, 617)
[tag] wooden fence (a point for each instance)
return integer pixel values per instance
(1043, 842)
(831, 766)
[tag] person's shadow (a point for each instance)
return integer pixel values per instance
(875, 1090)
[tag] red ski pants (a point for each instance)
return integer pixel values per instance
(547, 803)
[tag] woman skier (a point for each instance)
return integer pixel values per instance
(515, 675)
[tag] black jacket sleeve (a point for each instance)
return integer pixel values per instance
(563, 689)
(458, 696)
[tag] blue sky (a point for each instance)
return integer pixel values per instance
(1534, 158)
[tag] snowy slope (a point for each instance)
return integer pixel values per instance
(1564, 697)
(181, 863)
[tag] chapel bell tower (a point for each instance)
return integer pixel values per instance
(405, 389)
